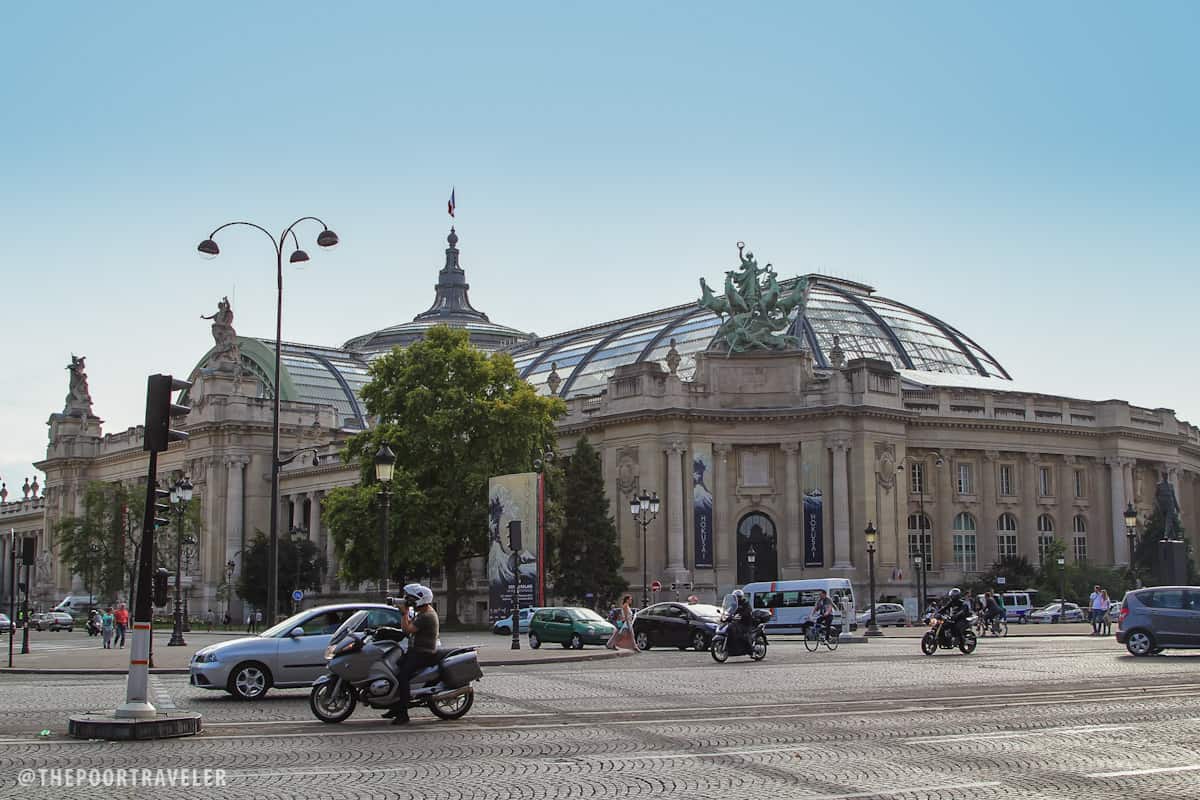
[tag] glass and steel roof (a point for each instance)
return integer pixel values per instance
(866, 326)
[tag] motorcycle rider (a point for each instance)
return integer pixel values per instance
(742, 617)
(422, 630)
(956, 611)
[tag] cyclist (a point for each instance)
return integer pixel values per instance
(993, 612)
(822, 612)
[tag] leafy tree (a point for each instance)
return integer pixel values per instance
(454, 417)
(91, 545)
(1145, 552)
(300, 566)
(589, 556)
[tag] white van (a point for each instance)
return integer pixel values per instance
(1018, 604)
(77, 605)
(791, 602)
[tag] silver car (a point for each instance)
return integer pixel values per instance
(1160, 617)
(885, 614)
(286, 656)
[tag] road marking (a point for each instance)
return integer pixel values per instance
(1155, 771)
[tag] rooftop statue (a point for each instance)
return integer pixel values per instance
(225, 351)
(79, 399)
(756, 310)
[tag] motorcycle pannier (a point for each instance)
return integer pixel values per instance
(459, 670)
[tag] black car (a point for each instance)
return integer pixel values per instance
(679, 625)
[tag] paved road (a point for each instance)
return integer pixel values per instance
(1029, 718)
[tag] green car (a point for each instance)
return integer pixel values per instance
(570, 627)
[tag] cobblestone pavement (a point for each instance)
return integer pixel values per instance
(1028, 718)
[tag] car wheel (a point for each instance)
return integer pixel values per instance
(249, 681)
(565, 645)
(534, 641)
(699, 642)
(576, 642)
(642, 640)
(1140, 643)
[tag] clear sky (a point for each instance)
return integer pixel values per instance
(1026, 171)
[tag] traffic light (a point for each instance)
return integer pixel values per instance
(160, 410)
(160, 587)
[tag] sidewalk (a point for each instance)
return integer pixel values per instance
(78, 654)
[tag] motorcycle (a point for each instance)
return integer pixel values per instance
(726, 642)
(93, 624)
(942, 635)
(359, 671)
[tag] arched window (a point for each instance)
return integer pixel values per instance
(1045, 526)
(920, 540)
(1006, 537)
(965, 557)
(1079, 527)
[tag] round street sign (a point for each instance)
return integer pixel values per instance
(297, 595)
(656, 586)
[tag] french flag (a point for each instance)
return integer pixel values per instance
(450, 205)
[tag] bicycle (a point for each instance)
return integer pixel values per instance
(816, 634)
(997, 627)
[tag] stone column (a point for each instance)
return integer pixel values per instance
(1116, 483)
(724, 538)
(1027, 536)
(235, 535)
(944, 512)
(214, 544)
(794, 557)
(841, 505)
(985, 533)
(675, 512)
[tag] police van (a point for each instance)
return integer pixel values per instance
(791, 602)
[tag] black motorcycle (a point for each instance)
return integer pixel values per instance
(944, 634)
(729, 641)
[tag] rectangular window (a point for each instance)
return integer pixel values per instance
(914, 545)
(1080, 483)
(1045, 482)
(1006, 480)
(1081, 548)
(964, 552)
(916, 474)
(1006, 546)
(966, 485)
(1045, 544)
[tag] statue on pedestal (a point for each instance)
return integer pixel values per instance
(1167, 505)
(756, 310)
(225, 355)
(79, 399)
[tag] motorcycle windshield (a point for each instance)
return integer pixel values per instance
(354, 623)
(728, 605)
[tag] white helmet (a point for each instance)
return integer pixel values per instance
(738, 594)
(954, 593)
(418, 595)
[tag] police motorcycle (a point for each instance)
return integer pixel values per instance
(360, 664)
(729, 639)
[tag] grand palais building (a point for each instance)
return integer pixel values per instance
(768, 465)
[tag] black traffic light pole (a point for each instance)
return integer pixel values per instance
(514, 544)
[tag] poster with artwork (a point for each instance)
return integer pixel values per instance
(514, 497)
(702, 506)
(814, 540)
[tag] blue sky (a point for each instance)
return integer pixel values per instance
(1026, 172)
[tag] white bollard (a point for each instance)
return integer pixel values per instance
(847, 615)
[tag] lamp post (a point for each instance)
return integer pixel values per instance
(181, 495)
(1131, 535)
(1062, 590)
(751, 560)
(385, 467)
(189, 542)
(917, 564)
(93, 554)
(208, 248)
(871, 537)
(644, 508)
(230, 567)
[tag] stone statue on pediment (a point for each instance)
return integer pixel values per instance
(79, 398)
(756, 311)
(225, 354)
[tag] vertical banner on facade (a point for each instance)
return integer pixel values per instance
(514, 497)
(814, 540)
(702, 506)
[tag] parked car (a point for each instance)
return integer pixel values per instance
(504, 624)
(569, 626)
(6, 624)
(53, 621)
(1114, 611)
(676, 625)
(1052, 612)
(885, 614)
(1160, 617)
(288, 655)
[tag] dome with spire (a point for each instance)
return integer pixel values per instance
(452, 307)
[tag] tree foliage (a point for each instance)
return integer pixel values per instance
(454, 417)
(92, 545)
(300, 566)
(589, 556)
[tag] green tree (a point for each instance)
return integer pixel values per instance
(92, 545)
(300, 566)
(1146, 553)
(589, 556)
(454, 417)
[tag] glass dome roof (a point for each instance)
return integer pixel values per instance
(865, 325)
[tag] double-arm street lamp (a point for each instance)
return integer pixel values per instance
(385, 468)
(208, 248)
(871, 537)
(644, 508)
(181, 496)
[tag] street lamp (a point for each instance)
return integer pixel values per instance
(871, 537)
(230, 567)
(93, 553)
(1131, 534)
(181, 495)
(1062, 590)
(208, 249)
(751, 560)
(189, 544)
(385, 467)
(917, 564)
(644, 508)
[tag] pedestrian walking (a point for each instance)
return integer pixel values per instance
(227, 620)
(1094, 601)
(249, 622)
(209, 619)
(1105, 620)
(257, 620)
(120, 623)
(622, 638)
(106, 627)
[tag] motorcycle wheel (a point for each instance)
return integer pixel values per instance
(453, 709)
(719, 653)
(929, 643)
(758, 650)
(329, 707)
(968, 642)
(811, 642)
